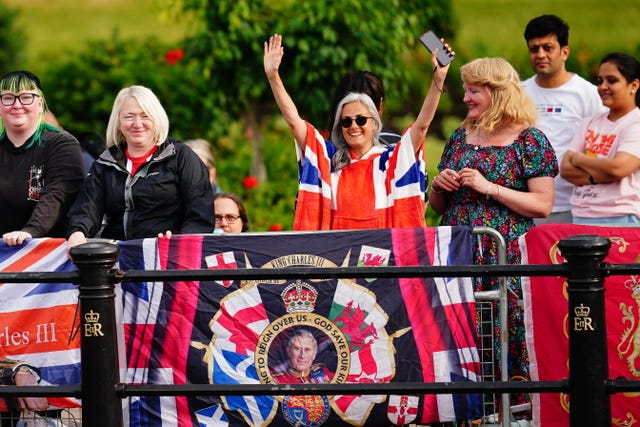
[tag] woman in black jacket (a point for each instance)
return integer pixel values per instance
(145, 184)
(41, 165)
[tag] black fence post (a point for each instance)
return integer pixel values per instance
(588, 364)
(101, 405)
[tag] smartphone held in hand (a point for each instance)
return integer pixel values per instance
(432, 42)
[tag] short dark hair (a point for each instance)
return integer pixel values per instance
(547, 24)
(360, 81)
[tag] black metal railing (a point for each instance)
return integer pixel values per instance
(102, 392)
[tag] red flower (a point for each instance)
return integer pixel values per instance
(275, 227)
(174, 55)
(250, 182)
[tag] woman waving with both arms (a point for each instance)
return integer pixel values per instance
(353, 181)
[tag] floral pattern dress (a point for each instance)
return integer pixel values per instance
(529, 156)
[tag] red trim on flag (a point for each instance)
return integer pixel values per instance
(181, 314)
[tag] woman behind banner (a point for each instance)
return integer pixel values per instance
(230, 213)
(145, 184)
(354, 182)
(603, 160)
(496, 171)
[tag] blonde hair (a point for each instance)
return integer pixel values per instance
(510, 104)
(149, 103)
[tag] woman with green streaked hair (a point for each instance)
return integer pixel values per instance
(42, 169)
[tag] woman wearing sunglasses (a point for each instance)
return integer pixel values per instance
(41, 165)
(352, 181)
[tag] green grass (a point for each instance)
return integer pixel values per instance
(483, 27)
(60, 25)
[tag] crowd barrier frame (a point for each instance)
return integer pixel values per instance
(500, 295)
(102, 392)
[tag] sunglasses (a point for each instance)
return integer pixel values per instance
(345, 122)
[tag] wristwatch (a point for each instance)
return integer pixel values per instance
(25, 369)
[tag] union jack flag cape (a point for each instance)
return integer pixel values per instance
(394, 183)
(239, 332)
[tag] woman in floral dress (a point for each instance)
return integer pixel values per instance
(497, 171)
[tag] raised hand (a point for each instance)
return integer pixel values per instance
(273, 53)
(440, 72)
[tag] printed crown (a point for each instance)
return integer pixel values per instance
(299, 296)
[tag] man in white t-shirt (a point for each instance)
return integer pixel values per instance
(563, 99)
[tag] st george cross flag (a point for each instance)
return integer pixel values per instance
(39, 322)
(369, 330)
(546, 317)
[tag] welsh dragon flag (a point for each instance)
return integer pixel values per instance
(367, 330)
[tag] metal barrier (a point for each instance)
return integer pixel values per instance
(101, 391)
(485, 307)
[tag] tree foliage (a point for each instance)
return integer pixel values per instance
(88, 81)
(12, 38)
(213, 86)
(221, 77)
(323, 40)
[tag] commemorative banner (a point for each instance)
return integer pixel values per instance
(546, 319)
(369, 330)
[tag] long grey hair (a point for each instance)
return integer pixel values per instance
(341, 158)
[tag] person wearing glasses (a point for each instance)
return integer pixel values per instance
(41, 165)
(371, 84)
(230, 214)
(145, 184)
(353, 181)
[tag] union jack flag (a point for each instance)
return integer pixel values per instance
(40, 320)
